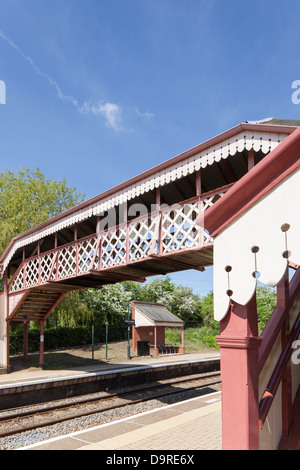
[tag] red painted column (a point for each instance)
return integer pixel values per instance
(239, 345)
(41, 361)
(7, 347)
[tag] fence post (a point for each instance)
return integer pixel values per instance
(93, 341)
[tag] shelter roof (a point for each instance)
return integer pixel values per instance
(156, 313)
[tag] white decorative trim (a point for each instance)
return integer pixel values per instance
(263, 141)
(260, 226)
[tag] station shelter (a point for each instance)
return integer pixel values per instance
(151, 320)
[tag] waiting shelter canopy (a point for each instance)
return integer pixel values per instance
(153, 314)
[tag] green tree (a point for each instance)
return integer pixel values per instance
(152, 291)
(72, 311)
(181, 302)
(266, 300)
(108, 305)
(28, 198)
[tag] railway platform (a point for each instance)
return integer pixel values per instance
(194, 424)
(36, 375)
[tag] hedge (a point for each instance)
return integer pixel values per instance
(65, 337)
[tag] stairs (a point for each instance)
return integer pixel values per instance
(37, 305)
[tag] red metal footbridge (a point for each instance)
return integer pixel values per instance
(143, 227)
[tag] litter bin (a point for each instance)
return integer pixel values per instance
(143, 348)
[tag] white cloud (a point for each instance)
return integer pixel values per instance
(111, 111)
(146, 114)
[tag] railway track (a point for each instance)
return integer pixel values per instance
(28, 418)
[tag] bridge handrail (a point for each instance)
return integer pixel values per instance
(159, 232)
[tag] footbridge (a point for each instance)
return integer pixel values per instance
(143, 227)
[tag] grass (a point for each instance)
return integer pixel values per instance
(195, 339)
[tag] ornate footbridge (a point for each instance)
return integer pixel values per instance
(143, 227)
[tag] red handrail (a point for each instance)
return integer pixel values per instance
(271, 389)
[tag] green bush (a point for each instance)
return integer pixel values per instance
(194, 338)
(64, 337)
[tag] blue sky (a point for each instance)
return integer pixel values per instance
(98, 91)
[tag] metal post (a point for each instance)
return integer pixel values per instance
(106, 338)
(128, 328)
(92, 341)
(25, 341)
(128, 345)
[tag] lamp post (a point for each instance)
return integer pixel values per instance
(128, 327)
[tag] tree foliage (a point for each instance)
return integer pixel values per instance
(28, 198)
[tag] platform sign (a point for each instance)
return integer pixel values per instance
(129, 322)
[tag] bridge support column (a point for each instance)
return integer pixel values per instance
(4, 335)
(239, 358)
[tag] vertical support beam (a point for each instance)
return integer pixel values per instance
(181, 350)
(198, 183)
(41, 361)
(3, 332)
(76, 249)
(160, 216)
(125, 217)
(239, 345)
(4, 327)
(157, 199)
(7, 346)
(39, 259)
(155, 337)
(283, 301)
(200, 207)
(25, 341)
(250, 159)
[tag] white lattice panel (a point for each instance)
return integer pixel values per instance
(32, 272)
(17, 283)
(86, 251)
(207, 238)
(141, 234)
(67, 262)
(46, 265)
(209, 201)
(114, 247)
(13, 301)
(180, 229)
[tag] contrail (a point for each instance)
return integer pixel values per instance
(111, 111)
(38, 71)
